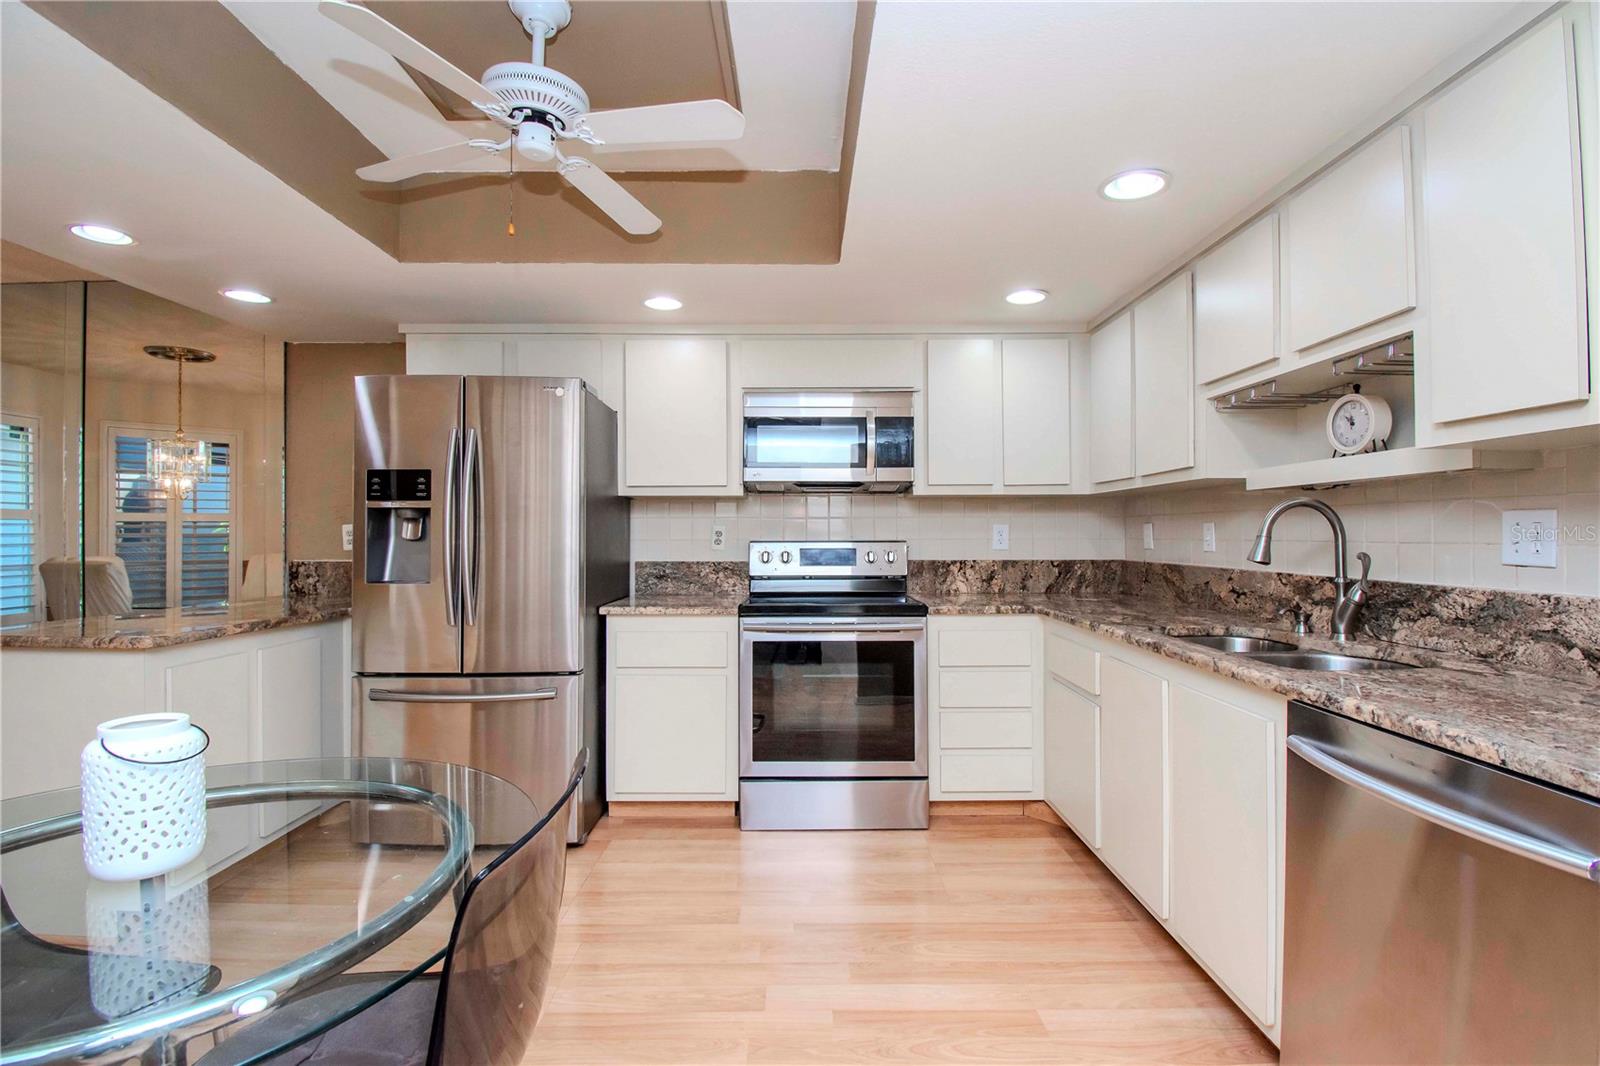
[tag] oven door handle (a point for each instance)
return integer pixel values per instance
(834, 627)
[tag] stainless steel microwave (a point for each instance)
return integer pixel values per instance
(828, 441)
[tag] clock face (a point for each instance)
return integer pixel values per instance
(1351, 424)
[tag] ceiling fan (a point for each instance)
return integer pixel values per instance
(539, 108)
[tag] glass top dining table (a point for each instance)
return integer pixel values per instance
(312, 870)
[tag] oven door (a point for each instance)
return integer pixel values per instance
(830, 698)
(823, 447)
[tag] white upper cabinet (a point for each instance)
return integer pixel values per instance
(1348, 244)
(676, 414)
(1236, 303)
(1035, 403)
(1503, 228)
(1163, 376)
(1111, 400)
(963, 409)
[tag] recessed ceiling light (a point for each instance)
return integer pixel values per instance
(1134, 185)
(663, 303)
(99, 234)
(1026, 296)
(247, 296)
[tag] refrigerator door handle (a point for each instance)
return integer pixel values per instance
(473, 514)
(389, 695)
(452, 591)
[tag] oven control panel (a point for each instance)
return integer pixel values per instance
(827, 558)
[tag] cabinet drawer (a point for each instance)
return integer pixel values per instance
(985, 647)
(986, 772)
(985, 688)
(1072, 662)
(671, 649)
(986, 729)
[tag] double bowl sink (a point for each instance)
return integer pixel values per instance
(1290, 657)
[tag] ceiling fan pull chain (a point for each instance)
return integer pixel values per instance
(511, 193)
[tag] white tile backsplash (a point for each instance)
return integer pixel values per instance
(1443, 529)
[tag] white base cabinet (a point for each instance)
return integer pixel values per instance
(1175, 777)
(672, 708)
(985, 720)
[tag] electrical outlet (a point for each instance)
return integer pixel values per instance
(1208, 536)
(1149, 536)
(1000, 538)
(347, 534)
(1528, 538)
(719, 537)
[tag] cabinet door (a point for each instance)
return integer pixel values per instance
(1504, 233)
(1133, 787)
(1236, 303)
(450, 354)
(1163, 376)
(672, 733)
(1035, 406)
(963, 406)
(675, 396)
(288, 715)
(1349, 244)
(1111, 400)
(1072, 758)
(1224, 859)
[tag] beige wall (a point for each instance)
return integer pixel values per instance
(321, 438)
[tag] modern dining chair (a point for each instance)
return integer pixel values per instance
(478, 1009)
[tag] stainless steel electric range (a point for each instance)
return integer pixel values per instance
(832, 705)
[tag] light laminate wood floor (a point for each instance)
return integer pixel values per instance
(987, 939)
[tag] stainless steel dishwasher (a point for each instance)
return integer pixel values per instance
(1437, 910)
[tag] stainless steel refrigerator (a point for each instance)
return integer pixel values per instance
(490, 532)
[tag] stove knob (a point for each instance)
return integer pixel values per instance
(766, 557)
(889, 556)
(784, 557)
(872, 557)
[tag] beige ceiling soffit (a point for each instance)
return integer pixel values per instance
(860, 51)
(204, 62)
(625, 53)
(20, 265)
(709, 217)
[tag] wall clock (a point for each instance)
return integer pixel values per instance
(1356, 421)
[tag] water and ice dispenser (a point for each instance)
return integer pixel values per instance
(399, 526)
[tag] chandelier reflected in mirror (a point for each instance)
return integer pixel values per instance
(177, 463)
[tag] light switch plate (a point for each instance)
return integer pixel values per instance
(719, 537)
(1528, 538)
(1208, 536)
(1000, 538)
(347, 534)
(1149, 536)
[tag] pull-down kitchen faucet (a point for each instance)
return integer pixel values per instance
(1351, 594)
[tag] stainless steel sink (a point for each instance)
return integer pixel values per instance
(1240, 645)
(1325, 661)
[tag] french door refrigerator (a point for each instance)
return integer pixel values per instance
(490, 533)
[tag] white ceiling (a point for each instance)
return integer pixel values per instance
(793, 61)
(986, 129)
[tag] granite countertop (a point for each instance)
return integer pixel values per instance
(659, 603)
(170, 628)
(1544, 727)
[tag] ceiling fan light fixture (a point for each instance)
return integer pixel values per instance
(1023, 297)
(247, 296)
(1134, 184)
(94, 231)
(664, 303)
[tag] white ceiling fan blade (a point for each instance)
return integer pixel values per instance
(438, 161)
(604, 192)
(692, 120)
(368, 24)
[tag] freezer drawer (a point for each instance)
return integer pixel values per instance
(1437, 910)
(523, 729)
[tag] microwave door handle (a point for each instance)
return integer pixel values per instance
(452, 545)
(872, 447)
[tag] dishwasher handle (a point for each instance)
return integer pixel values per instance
(1509, 840)
(389, 695)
